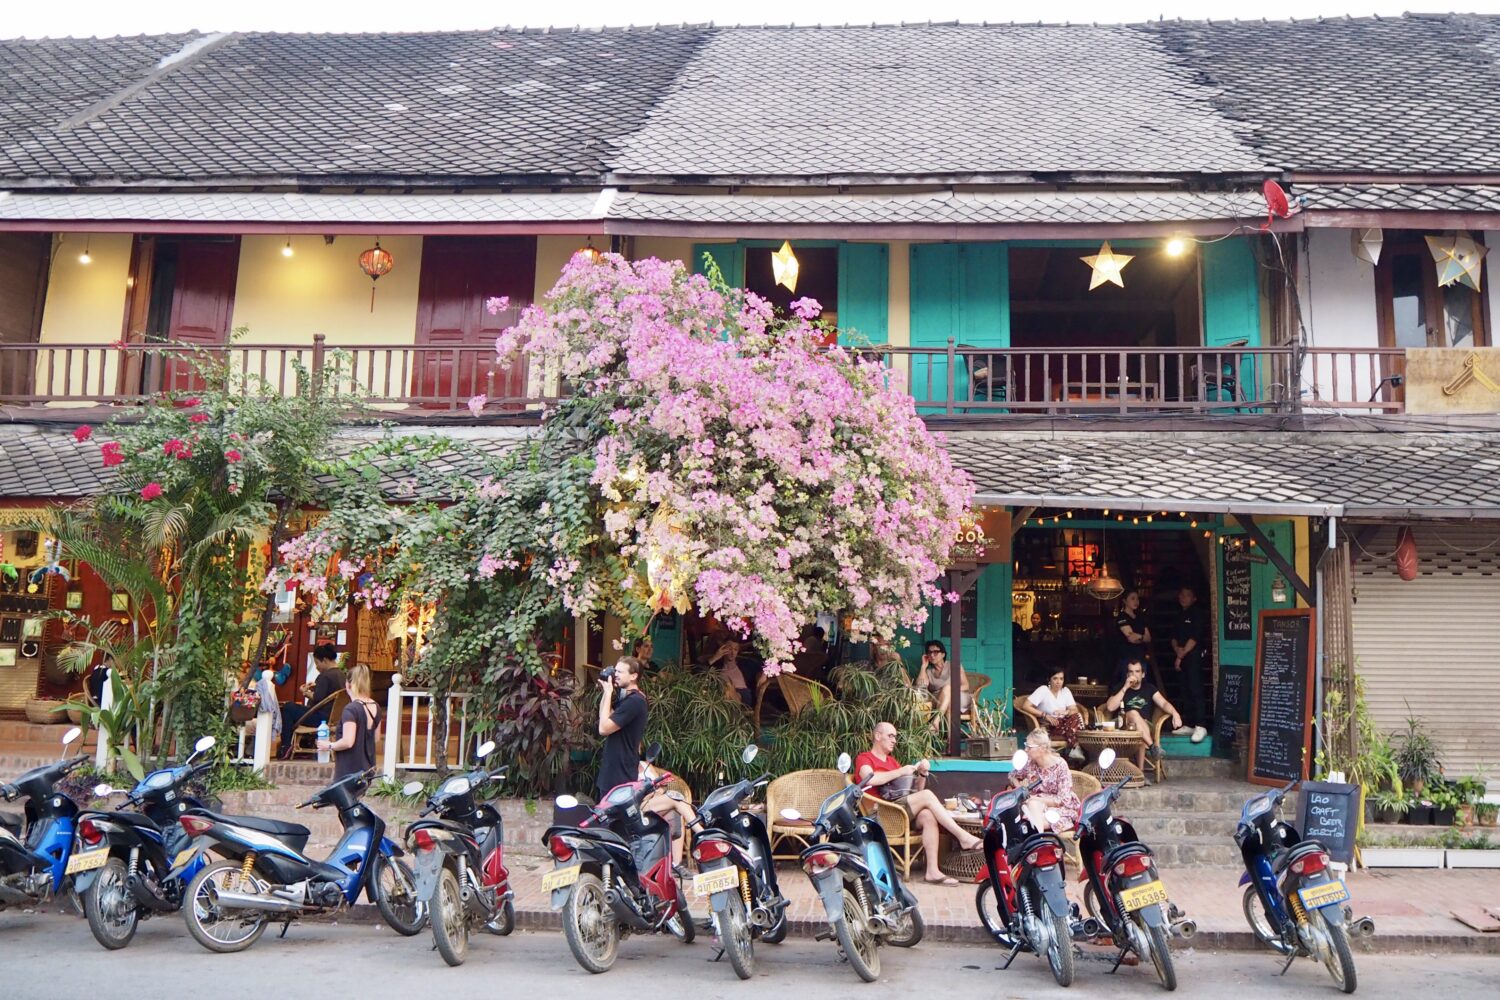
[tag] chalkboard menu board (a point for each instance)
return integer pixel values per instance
(1281, 716)
(1330, 813)
(1235, 594)
(1231, 707)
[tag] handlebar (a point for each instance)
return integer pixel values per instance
(9, 792)
(75, 763)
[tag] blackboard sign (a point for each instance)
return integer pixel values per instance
(1330, 813)
(1235, 594)
(1231, 707)
(1281, 716)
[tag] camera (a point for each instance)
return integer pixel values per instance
(607, 674)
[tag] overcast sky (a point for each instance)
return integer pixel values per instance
(94, 17)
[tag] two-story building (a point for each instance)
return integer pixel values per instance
(1072, 242)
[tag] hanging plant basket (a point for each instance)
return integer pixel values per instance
(45, 712)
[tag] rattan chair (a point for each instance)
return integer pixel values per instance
(803, 791)
(1028, 718)
(1084, 785)
(902, 834)
(330, 701)
(1159, 720)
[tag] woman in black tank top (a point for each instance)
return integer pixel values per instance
(354, 749)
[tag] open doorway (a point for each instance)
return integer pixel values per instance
(181, 292)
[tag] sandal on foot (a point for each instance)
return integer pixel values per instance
(945, 880)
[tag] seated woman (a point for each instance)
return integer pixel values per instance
(1060, 716)
(1055, 790)
(936, 678)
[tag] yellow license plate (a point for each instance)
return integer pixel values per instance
(184, 856)
(1314, 896)
(560, 878)
(1143, 896)
(87, 861)
(708, 883)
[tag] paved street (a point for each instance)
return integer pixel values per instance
(53, 955)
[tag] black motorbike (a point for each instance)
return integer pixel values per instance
(1023, 901)
(1124, 896)
(135, 863)
(265, 877)
(613, 874)
(735, 871)
(459, 860)
(851, 866)
(36, 849)
(1294, 902)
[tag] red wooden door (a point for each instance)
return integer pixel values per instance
(455, 333)
(203, 283)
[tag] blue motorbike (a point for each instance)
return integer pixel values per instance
(1294, 902)
(133, 864)
(35, 850)
(263, 876)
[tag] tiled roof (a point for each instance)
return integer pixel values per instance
(1401, 197)
(1405, 474)
(258, 206)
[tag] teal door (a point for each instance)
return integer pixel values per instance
(959, 291)
(985, 650)
(1231, 318)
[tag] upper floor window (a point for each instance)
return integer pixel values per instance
(817, 278)
(1413, 310)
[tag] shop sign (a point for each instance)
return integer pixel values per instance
(1452, 380)
(983, 538)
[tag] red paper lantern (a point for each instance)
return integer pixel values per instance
(375, 262)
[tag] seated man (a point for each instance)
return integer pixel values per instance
(1135, 698)
(903, 784)
(329, 681)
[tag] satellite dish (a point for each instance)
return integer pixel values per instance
(1277, 206)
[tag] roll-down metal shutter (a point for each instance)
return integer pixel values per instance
(1431, 647)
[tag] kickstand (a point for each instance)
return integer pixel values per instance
(1118, 959)
(719, 956)
(1290, 958)
(285, 927)
(1014, 951)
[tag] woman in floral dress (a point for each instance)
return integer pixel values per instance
(1055, 790)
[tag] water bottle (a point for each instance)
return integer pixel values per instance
(322, 738)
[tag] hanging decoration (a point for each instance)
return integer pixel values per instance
(1367, 243)
(1408, 564)
(1107, 266)
(1104, 587)
(590, 251)
(1458, 259)
(784, 266)
(375, 262)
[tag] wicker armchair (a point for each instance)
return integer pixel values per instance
(1159, 720)
(798, 692)
(904, 837)
(977, 683)
(1028, 718)
(335, 711)
(803, 791)
(1084, 785)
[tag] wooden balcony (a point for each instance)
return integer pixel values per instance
(954, 381)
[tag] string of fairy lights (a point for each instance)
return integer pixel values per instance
(1183, 518)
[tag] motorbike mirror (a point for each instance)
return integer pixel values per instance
(71, 735)
(204, 744)
(103, 791)
(1018, 760)
(1052, 817)
(750, 753)
(845, 762)
(791, 815)
(485, 749)
(653, 751)
(1106, 759)
(411, 788)
(566, 802)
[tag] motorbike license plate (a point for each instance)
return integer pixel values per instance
(86, 861)
(1143, 896)
(1316, 896)
(708, 883)
(560, 878)
(184, 856)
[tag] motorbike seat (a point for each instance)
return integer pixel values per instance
(1286, 856)
(11, 822)
(132, 819)
(274, 827)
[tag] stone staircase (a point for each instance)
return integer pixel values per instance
(1189, 819)
(25, 745)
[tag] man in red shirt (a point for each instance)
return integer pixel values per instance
(904, 785)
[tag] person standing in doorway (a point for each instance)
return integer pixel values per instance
(1189, 646)
(1131, 639)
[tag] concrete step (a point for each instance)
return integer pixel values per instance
(1196, 852)
(1156, 828)
(1211, 795)
(1202, 767)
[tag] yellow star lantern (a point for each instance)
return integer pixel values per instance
(1458, 259)
(785, 267)
(1107, 266)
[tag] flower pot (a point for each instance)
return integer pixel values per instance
(1418, 816)
(1385, 815)
(989, 747)
(1485, 819)
(1473, 859)
(1443, 816)
(1402, 857)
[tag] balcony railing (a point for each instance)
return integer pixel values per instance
(954, 380)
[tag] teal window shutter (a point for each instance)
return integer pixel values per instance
(730, 257)
(958, 290)
(1231, 294)
(864, 297)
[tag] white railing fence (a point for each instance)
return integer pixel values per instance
(410, 729)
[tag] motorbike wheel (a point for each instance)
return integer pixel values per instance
(989, 911)
(1060, 951)
(776, 933)
(590, 926)
(1161, 955)
(216, 929)
(396, 895)
(910, 928)
(111, 907)
(504, 920)
(858, 942)
(681, 925)
(450, 919)
(1255, 916)
(734, 935)
(1339, 961)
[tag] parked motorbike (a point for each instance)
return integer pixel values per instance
(614, 875)
(133, 864)
(459, 860)
(850, 865)
(36, 850)
(1123, 895)
(1023, 901)
(263, 875)
(1294, 902)
(733, 852)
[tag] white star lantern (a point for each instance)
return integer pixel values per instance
(1107, 266)
(784, 267)
(1458, 259)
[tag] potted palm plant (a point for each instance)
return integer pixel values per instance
(988, 738)
(1417, 756)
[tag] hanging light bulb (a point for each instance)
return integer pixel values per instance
(1148, 518)
(1106, 512)
(1193, 524)
(1176, 246)
(589, 251)
(85, 257)
(1104, 587)
(287, 250)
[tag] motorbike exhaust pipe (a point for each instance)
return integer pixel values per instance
(760, 917)
(255, 901)
(13, 897)
(625, 911)
(145, 896)
(1091, 928)
(1186, 928)
(1363, 926)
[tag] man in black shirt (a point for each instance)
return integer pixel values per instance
(1136, 698)
(1131, 637)
(1189, 643)
(330, 681)
(622, 723)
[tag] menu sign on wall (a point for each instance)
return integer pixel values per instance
(1235, 594)
(1232, 707)
(1281, 713)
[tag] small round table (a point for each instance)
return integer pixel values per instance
(1125, 742)
(964, 865)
